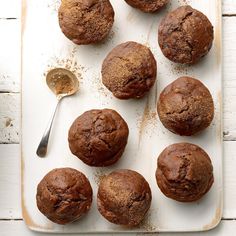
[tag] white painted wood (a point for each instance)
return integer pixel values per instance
(10, 55)
(226, 228)
(229, 7)
(10, 8)
(9, 118)
(18, 228)
(229, 179)
(229, 73)
(10, 181)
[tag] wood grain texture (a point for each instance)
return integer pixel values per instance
(9, 117)
(13, 228)
(10, 55)
(229, 175)
(11, 8)
(229, 81)
(229, 7)
(10, 182)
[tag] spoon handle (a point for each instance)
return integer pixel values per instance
(43, 145)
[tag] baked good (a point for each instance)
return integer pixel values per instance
(184, 172)
(129, 70)
(124, 197)
(98, 137)
(185, 35)
(64, 195)
(147, 5)
(86, 21)
(185, 106)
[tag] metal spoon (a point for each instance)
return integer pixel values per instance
(62, 83)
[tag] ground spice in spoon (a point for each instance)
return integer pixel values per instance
(61, 84)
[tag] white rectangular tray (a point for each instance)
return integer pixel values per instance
(45, 47)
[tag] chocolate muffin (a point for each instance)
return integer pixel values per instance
(147, 5)
(129, 70)
(86, 21)
(98, 137)
(184, 172)
(185, 106)
(124, 197)
(185, 35)
(64, 195)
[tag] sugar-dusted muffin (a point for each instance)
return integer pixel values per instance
(129, 70)
(64, 195)
(147, 5)
(86, 21)
(98, 137)
(185, 106)
(185, 35)
(184, 172)
(124, 197)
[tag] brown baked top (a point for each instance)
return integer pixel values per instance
(98, 137)
(124, 197)
(86, 21)
(185, 106)
(184, 172)
(185, 35)
(129, 70)
(64, 195)
(147, 5)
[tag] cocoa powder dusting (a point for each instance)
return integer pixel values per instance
(149, 117)
(68, 63)
(98, 176)
(147, 225)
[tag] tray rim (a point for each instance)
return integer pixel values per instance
(36, 228)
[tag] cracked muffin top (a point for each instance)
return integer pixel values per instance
(64, 195)
(98, 137)
(184, 172)
(185, 35)
(86, 21)
(124, 197)
(129, 70)
(147, 5)
(185, 106)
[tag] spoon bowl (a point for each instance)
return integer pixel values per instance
(62, 82)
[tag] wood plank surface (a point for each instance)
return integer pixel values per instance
(9, 117)
(10, 55)
(229, 7)
(229, 80)
(11, 8)
(229, 174)
(18, 228)
(10, 182)
(9, 122)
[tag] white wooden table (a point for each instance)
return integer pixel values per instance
(11, 222)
